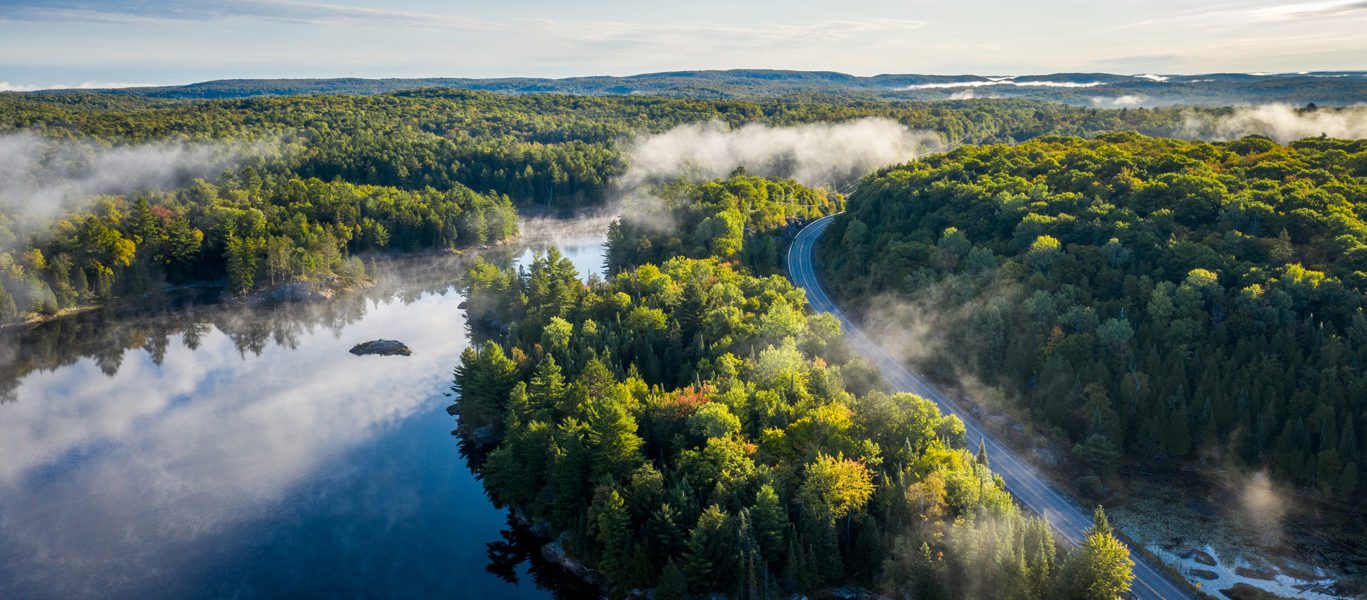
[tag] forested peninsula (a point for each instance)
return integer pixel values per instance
(688, 426)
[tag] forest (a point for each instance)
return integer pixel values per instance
(691, 427)
(249, 230)
(740, 217)
(548, 150)
(1152, 301)
(428, 169)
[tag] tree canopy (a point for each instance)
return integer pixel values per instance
(1148, 298)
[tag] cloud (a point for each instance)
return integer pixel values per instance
(1000, 81)
(172, 455)
(291, 11)
(1125, 101)
(1309, 10)
(6, 86)
(819, 155)
(326, 13)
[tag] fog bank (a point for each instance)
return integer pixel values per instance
(818, 154)
(41, 177)
(1281, 122)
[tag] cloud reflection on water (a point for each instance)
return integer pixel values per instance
(103, 473)
(128, 479)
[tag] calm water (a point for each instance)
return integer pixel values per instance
(212, 451)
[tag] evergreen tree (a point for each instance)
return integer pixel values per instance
(613, 531)
(710, 553)
(483, 381)
(673, 583)
(241, 264)
(8, 311)
(770, 521)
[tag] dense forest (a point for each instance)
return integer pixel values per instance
(1150, 299)
(247, 229)
(689, 426)
(423, 169)
(540, 149)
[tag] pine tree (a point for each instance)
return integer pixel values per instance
(1040, 551)
(673, 583)
(145, 224)
(483, 382)
(710, 553)
(612, 437)
(770, 521)
(1101, 524)
(613, 531)
(547, 387)
(241, 265)
(926, 584)
(8, 311)
(666, 532)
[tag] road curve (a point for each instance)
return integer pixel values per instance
(1069, 519)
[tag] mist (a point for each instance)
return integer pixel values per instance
(41, 177)
(818, 154)
(830, 155)
(1280, 122)
(540, 232)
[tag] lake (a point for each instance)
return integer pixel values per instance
(210, 450)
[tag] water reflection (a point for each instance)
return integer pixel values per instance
(207, 450)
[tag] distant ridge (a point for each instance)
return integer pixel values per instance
(1098, 89)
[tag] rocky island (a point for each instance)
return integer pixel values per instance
(382, 348)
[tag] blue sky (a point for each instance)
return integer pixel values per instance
(47, 43)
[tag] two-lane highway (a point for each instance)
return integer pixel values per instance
(1069, 519)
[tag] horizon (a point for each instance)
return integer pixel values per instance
(123, 43)
(1153, 76)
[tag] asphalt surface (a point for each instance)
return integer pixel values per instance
(1069, 519)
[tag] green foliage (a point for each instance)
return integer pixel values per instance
(8, 311)
(727, 219)
(245, 229)
(484, 380)
(1166, 299)
(706, 440)
(399, 171)
(673, 583)
(833, 487)
(1101, 569)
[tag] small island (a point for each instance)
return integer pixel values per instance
(382, 348)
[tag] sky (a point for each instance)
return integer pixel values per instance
(107, 43)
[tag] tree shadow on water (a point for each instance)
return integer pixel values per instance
(520, 544)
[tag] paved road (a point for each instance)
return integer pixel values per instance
(1069, 519)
